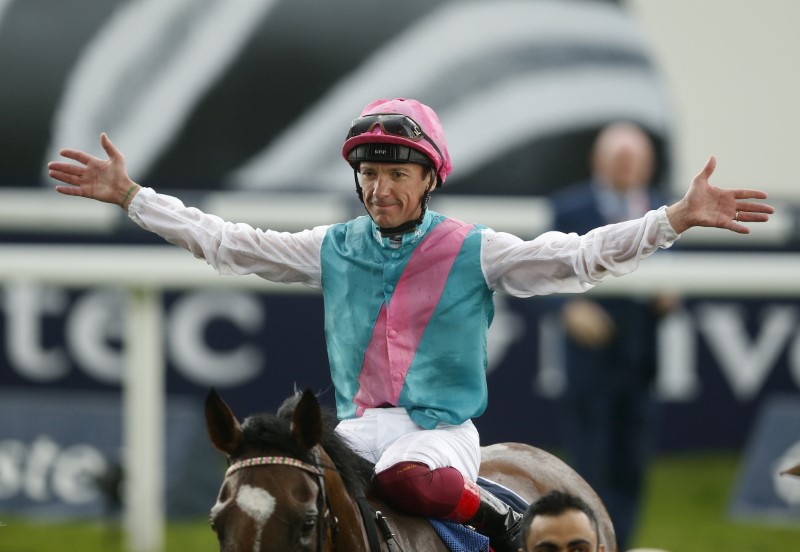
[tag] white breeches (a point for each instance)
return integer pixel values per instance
(387, 436)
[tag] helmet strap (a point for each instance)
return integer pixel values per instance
(359, 192)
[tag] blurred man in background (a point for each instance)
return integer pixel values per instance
(610, 343)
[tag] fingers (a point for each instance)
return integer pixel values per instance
(749, 217)
(708, 170)
(67, 178)
(750, 211)
(69, 173)
(109, 147)
(70, 190)
(67, 168)
(745, 207)
(749, 194)
(747, 211)
(85, 158)
(77, 155)
(736, 227)
(753, 212)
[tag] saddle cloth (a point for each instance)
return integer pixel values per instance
(460, 538)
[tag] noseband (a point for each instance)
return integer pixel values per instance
(325, 517)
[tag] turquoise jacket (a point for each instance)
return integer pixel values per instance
(406, 320)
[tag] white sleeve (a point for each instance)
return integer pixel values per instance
(229, 247)
(556, 262)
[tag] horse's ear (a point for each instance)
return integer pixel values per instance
(307, 421)
(223, 428)
(794, 470)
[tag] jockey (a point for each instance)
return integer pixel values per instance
(412, 416)
(388, 132)
(408, 294)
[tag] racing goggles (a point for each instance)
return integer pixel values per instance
(393, 124)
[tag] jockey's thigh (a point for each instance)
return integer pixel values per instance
(387, 436)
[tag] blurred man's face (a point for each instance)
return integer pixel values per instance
(628, 166)
(571, 531)
(623, 158)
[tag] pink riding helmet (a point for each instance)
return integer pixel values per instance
(424, 116)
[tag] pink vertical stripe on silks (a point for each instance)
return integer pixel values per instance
(400, 326)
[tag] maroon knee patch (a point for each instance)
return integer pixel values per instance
(415, 488)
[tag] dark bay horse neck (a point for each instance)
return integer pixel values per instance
(292, 484)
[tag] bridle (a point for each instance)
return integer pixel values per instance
(273, 461)
(326, 520)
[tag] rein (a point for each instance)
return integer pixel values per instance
(323, 506)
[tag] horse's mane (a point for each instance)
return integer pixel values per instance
(272, 431)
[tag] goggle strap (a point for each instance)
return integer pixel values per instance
(386, 153)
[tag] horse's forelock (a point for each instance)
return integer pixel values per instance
(286, 409)
(267, 432)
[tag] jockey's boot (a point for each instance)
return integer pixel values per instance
(498, 521)
(490, 516)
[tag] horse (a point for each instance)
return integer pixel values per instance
(293, 485)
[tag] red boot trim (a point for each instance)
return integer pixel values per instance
(468, 504)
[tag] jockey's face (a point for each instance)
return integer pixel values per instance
(570, 531)
(392, 191)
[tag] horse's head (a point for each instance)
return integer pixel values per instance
(273, 497)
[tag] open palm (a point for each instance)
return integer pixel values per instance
(707, 205)
(101, 179)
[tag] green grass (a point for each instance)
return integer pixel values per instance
(25, 536)
(685, 511)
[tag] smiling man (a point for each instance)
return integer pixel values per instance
(392, 192)
(560, 522)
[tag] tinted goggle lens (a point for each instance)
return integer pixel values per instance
(391, 123)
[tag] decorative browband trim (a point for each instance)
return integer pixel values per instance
(272, 461)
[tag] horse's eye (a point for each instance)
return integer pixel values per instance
(309, 523)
